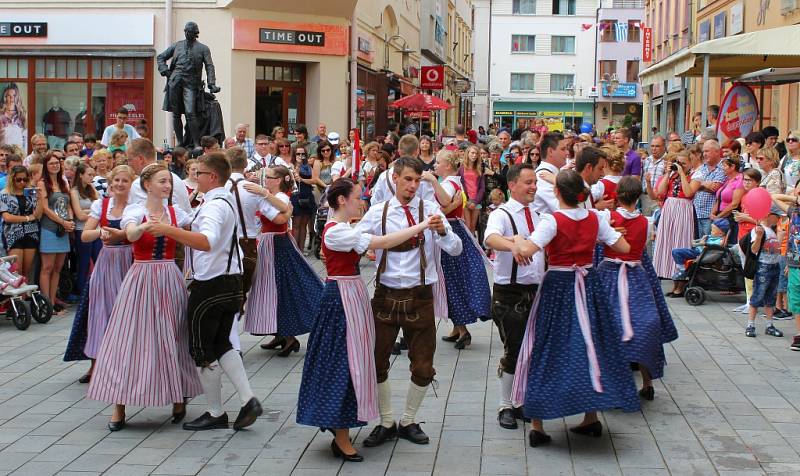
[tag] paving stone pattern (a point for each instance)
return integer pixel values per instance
(728, 405)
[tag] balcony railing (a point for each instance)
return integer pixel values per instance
(623, 4)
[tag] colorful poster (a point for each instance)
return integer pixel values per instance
(737, 114)
(129, 96)
(13, 116)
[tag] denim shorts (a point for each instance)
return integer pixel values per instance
(783, 280)
(765, 285)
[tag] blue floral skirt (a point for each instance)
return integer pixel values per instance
(468, 294)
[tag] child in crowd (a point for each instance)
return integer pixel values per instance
(119, 141)
(89, 144)
(782, 301)
(496, 198)
(719, 230)
(766, 244)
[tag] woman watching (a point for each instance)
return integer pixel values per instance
(426, 152)
(322, 166)
(772, 179)
(82, 196)
(56, 224)
(471, 174)
(729, 196)
(22, 207)
(791, 161)
(302, 201)
(195, 197)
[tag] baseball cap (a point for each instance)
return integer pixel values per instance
(333, 138)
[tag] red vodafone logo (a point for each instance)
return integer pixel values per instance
(432, 77)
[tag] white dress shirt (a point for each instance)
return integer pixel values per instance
(215, 218)
(180, 196)
(381, 191)
(250, 204)
(268, 161)
(97, 208)
(547, 228)
(545, 200)
(135, 213)
(402, 268)
(498, 224)
(344, 238)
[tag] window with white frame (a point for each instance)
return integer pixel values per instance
(522, 81)
(562, 45)
(523, 43)
(524, 7)
(560, 82)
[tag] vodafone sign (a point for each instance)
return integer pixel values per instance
(432, 77)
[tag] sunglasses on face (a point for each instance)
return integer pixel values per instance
(284, 146)
(300, 154)
(326, 150)
(792, 139)
(21, 180)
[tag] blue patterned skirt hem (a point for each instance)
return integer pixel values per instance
(669, 332)
(559, 383)
(645, 347)
(80, 326)
(298, 286)
(327, 397)
(468, 294)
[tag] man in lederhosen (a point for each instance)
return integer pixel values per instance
(404, 296)
(515, 284)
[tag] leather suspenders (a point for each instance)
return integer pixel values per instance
(234, 244)
(514, 265)
(239, 206)
(423, 262)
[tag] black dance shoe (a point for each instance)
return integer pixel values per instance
(116, 425)
(274, 343)
(248, 414)
(380, 435)
(464, 341)
(519, 414)
(592, 429)
(85, 379)
(338, 453)
(536, 438)
(450, 338)
(648, 393)
(207, 422)
(506, 419)
(413, 433)
(287, 351)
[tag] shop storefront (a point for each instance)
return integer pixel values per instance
(556, 116)
(56, 79)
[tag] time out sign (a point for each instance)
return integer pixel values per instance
(290, 37)
(23, 29)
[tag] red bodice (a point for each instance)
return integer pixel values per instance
(339, 263)
(267, 226)
(636, 236)
(457, 212)
(574, 241)
(150, 248)
(104, 221)
(609, 190)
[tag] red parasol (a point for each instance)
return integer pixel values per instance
(421, 102)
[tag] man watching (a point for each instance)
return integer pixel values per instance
(505, 140)
(38, 149)
(243, 141)
(209, 144)
(554, 157)
(711, 177)
(591, 165)
(120, 125)
(322, 133)
(653, 170)
(633, 162)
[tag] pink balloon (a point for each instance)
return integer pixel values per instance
(757, 203)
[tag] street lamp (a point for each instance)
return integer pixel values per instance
(571, 91)
(404, 50)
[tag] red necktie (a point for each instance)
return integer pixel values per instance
(529, 219)
(411, 222)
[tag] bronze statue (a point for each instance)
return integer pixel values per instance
(184, 93)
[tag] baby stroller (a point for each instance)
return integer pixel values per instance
(319, 223)
(14, 297)
(717, 268)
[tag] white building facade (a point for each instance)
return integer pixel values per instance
(541, 64)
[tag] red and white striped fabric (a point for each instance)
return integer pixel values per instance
(112, 265)
(360, 343)
(440, 308)
(675, 230)
(144, 359)
(261, 312)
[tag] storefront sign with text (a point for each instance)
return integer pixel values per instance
(738, 113)
(288, 37)
(432, 77)
(38, 30)
(285, 37)
(647, 45)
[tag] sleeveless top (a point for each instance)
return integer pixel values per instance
(609, 190)
(150, 248)
(574, 241)
(339, 263)
(268, 226)
(636, 236)
(457, 212)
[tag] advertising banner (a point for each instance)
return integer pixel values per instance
(737, 114)
(432, 77)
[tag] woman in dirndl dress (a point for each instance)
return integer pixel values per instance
(466, 283)
(676, 225)
(285, 287)
(144, 357)
(622, 275)
(571, 356)
(113, 262)
(339, 387)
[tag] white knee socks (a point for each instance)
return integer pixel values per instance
(385, 403)
(234, 368)
(211, 380)
(234, 337)
(506, 383)
(413, 401)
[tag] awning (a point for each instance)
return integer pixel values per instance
(731, 56)
(769, 77)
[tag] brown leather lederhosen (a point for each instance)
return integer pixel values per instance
(248, 245)
(511, 306)
(410, 309)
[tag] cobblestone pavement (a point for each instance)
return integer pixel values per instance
(728, 404)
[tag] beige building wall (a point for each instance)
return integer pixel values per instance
(382, 19)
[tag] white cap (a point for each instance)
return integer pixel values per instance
(333, 138)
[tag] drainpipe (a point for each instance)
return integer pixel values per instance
(353, 70)
(167, 39)
(594, 77)
(489, 117)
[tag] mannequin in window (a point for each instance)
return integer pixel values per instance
(56, 123)
(80, 119)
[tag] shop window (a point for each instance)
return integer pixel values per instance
(117, 68)
(634, 31)
(523, 43)
(522, 81)
(61, 68)
(632, 74)
(13, 68)
(524, 7)
(564, 7)
(57, 107)
(560, 82)
(562, 45)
